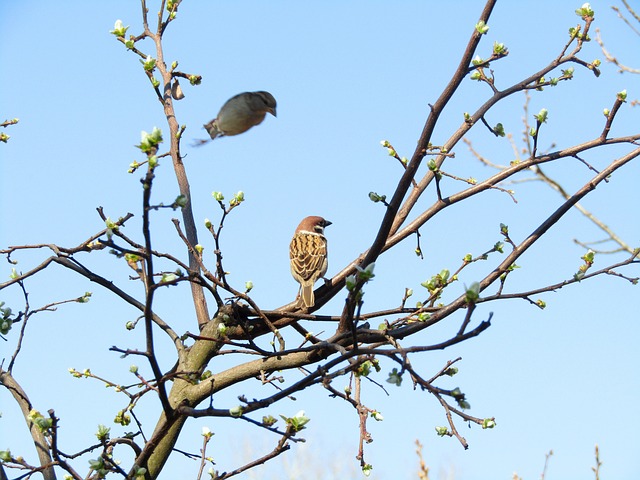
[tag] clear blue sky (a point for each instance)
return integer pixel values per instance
(346, 76)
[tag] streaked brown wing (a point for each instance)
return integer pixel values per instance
(308, 253)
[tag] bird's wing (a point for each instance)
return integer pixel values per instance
(307, 252)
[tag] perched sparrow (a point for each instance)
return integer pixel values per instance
(240, 113)
(308, 254)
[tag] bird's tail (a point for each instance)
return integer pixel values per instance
(212, 129)
(306, 296)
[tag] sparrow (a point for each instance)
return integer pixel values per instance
(240, 113)
(308, 254)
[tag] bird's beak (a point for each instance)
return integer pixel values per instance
(273, 112)
(327, 223)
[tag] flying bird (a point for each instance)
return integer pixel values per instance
(308, 254)
(240, 113)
